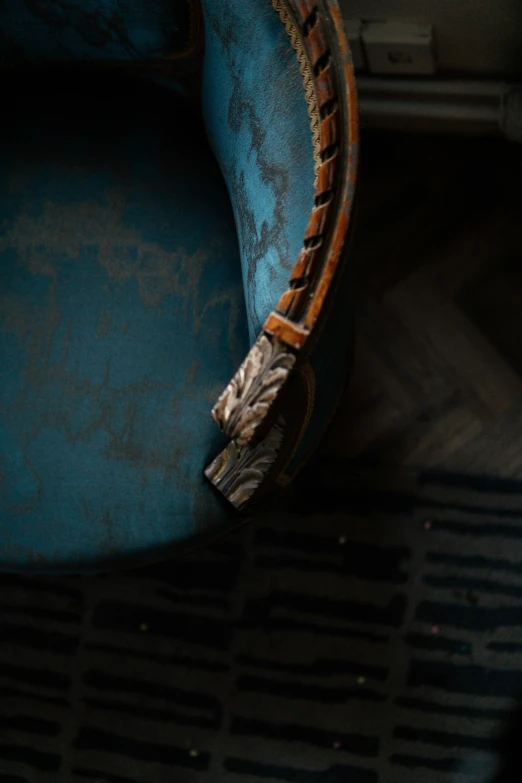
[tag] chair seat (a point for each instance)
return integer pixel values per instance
(122, 316)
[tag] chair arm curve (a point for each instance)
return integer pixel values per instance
(316, 30)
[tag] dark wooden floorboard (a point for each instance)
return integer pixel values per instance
(437, 377)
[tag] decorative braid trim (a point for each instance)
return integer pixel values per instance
(308, 81)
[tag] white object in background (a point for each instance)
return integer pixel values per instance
(394, 48)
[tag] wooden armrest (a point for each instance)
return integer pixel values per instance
(251, 398)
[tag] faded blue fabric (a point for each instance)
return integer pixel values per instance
(258, 124)
(121, 319)
(91, 29)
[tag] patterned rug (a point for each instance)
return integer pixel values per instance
(379, 641)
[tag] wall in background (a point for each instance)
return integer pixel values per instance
(477, 37)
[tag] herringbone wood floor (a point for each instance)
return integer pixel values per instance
(437, 376)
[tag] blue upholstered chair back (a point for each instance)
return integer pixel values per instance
(87, 30)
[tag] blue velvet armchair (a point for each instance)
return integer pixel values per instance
(155, 258)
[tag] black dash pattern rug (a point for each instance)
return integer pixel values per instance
(380, 642)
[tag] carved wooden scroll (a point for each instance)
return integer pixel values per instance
(240, 470)
(253, 389)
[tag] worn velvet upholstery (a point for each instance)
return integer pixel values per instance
(91, 29)
(121, 318)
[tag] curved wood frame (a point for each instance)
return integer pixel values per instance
(248, 402)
